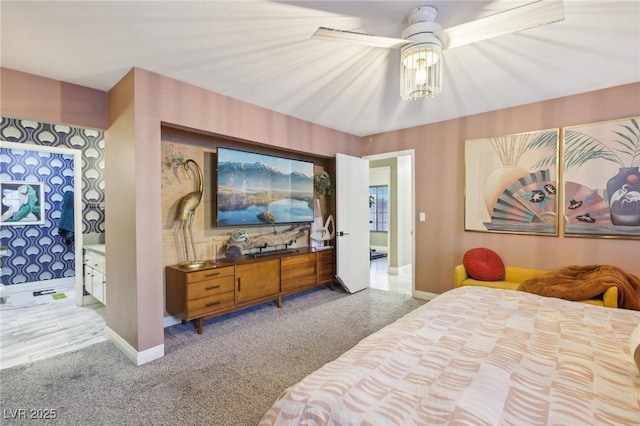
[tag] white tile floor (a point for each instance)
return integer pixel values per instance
(37, 327)
(382, 280)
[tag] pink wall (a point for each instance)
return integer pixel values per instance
(122, 210)
(138, 105)
(184, 105)
(36, 98)
(441, 240)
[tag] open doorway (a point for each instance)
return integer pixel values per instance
(391, 221)
(41, 277)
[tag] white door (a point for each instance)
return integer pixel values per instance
(352, 222)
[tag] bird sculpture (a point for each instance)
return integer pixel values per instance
(187, 210)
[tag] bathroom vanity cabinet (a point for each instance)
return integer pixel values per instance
(95, 279)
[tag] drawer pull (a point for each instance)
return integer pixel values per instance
(212, 287)
(212, 275)
(239, 285)
(208, 305)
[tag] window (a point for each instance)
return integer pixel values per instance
(379, 208)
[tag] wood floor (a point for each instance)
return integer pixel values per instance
(37, 327)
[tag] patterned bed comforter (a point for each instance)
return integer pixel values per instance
(479, 356)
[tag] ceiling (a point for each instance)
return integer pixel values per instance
(261, 52)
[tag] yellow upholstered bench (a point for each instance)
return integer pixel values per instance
(514, 276)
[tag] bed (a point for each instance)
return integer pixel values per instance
(479, 356)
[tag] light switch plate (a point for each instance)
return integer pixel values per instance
(422, 217)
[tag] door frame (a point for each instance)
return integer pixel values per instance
(412, 154)
(77, 203)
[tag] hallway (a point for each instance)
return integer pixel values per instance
(382, 280)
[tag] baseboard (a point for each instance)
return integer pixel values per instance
(401, 270)
(89, 300)
(138, 358)
(381, 249)
(56, 284)
(425, 295)
(171, 320)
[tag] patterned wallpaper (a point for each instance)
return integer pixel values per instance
(37, 252)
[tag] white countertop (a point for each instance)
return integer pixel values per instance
(99, 248)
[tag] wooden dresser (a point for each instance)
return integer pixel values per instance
(225, 286)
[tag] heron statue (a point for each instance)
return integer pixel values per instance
(187, 210)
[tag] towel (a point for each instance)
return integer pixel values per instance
(66, 224)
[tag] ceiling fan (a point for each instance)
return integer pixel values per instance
(424, 40)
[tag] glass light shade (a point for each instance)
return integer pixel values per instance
(421, 72)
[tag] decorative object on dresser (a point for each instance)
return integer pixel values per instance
(240, 241)
(186, 212)
(196, 294)
(322, 232)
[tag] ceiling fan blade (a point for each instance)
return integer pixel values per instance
(360, 39)
(521, 18)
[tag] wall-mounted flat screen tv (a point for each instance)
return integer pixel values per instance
(259, 189)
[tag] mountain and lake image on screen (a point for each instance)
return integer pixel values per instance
(259, 189)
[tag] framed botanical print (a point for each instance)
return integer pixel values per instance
(601, 179)
(511, 183)
(22, 203)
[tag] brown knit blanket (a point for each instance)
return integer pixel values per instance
(579, 282)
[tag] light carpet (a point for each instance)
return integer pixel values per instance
(229, 375)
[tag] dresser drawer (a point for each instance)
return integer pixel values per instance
(94, 261)
(325, 266)
(200, 289)
(325, 258)
(205, 305)
(208, 274)
(298, 271)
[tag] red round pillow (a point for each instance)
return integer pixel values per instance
(483, 264)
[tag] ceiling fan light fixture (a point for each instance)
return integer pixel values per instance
(421, 71)
(421, 60)
(424, 40)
